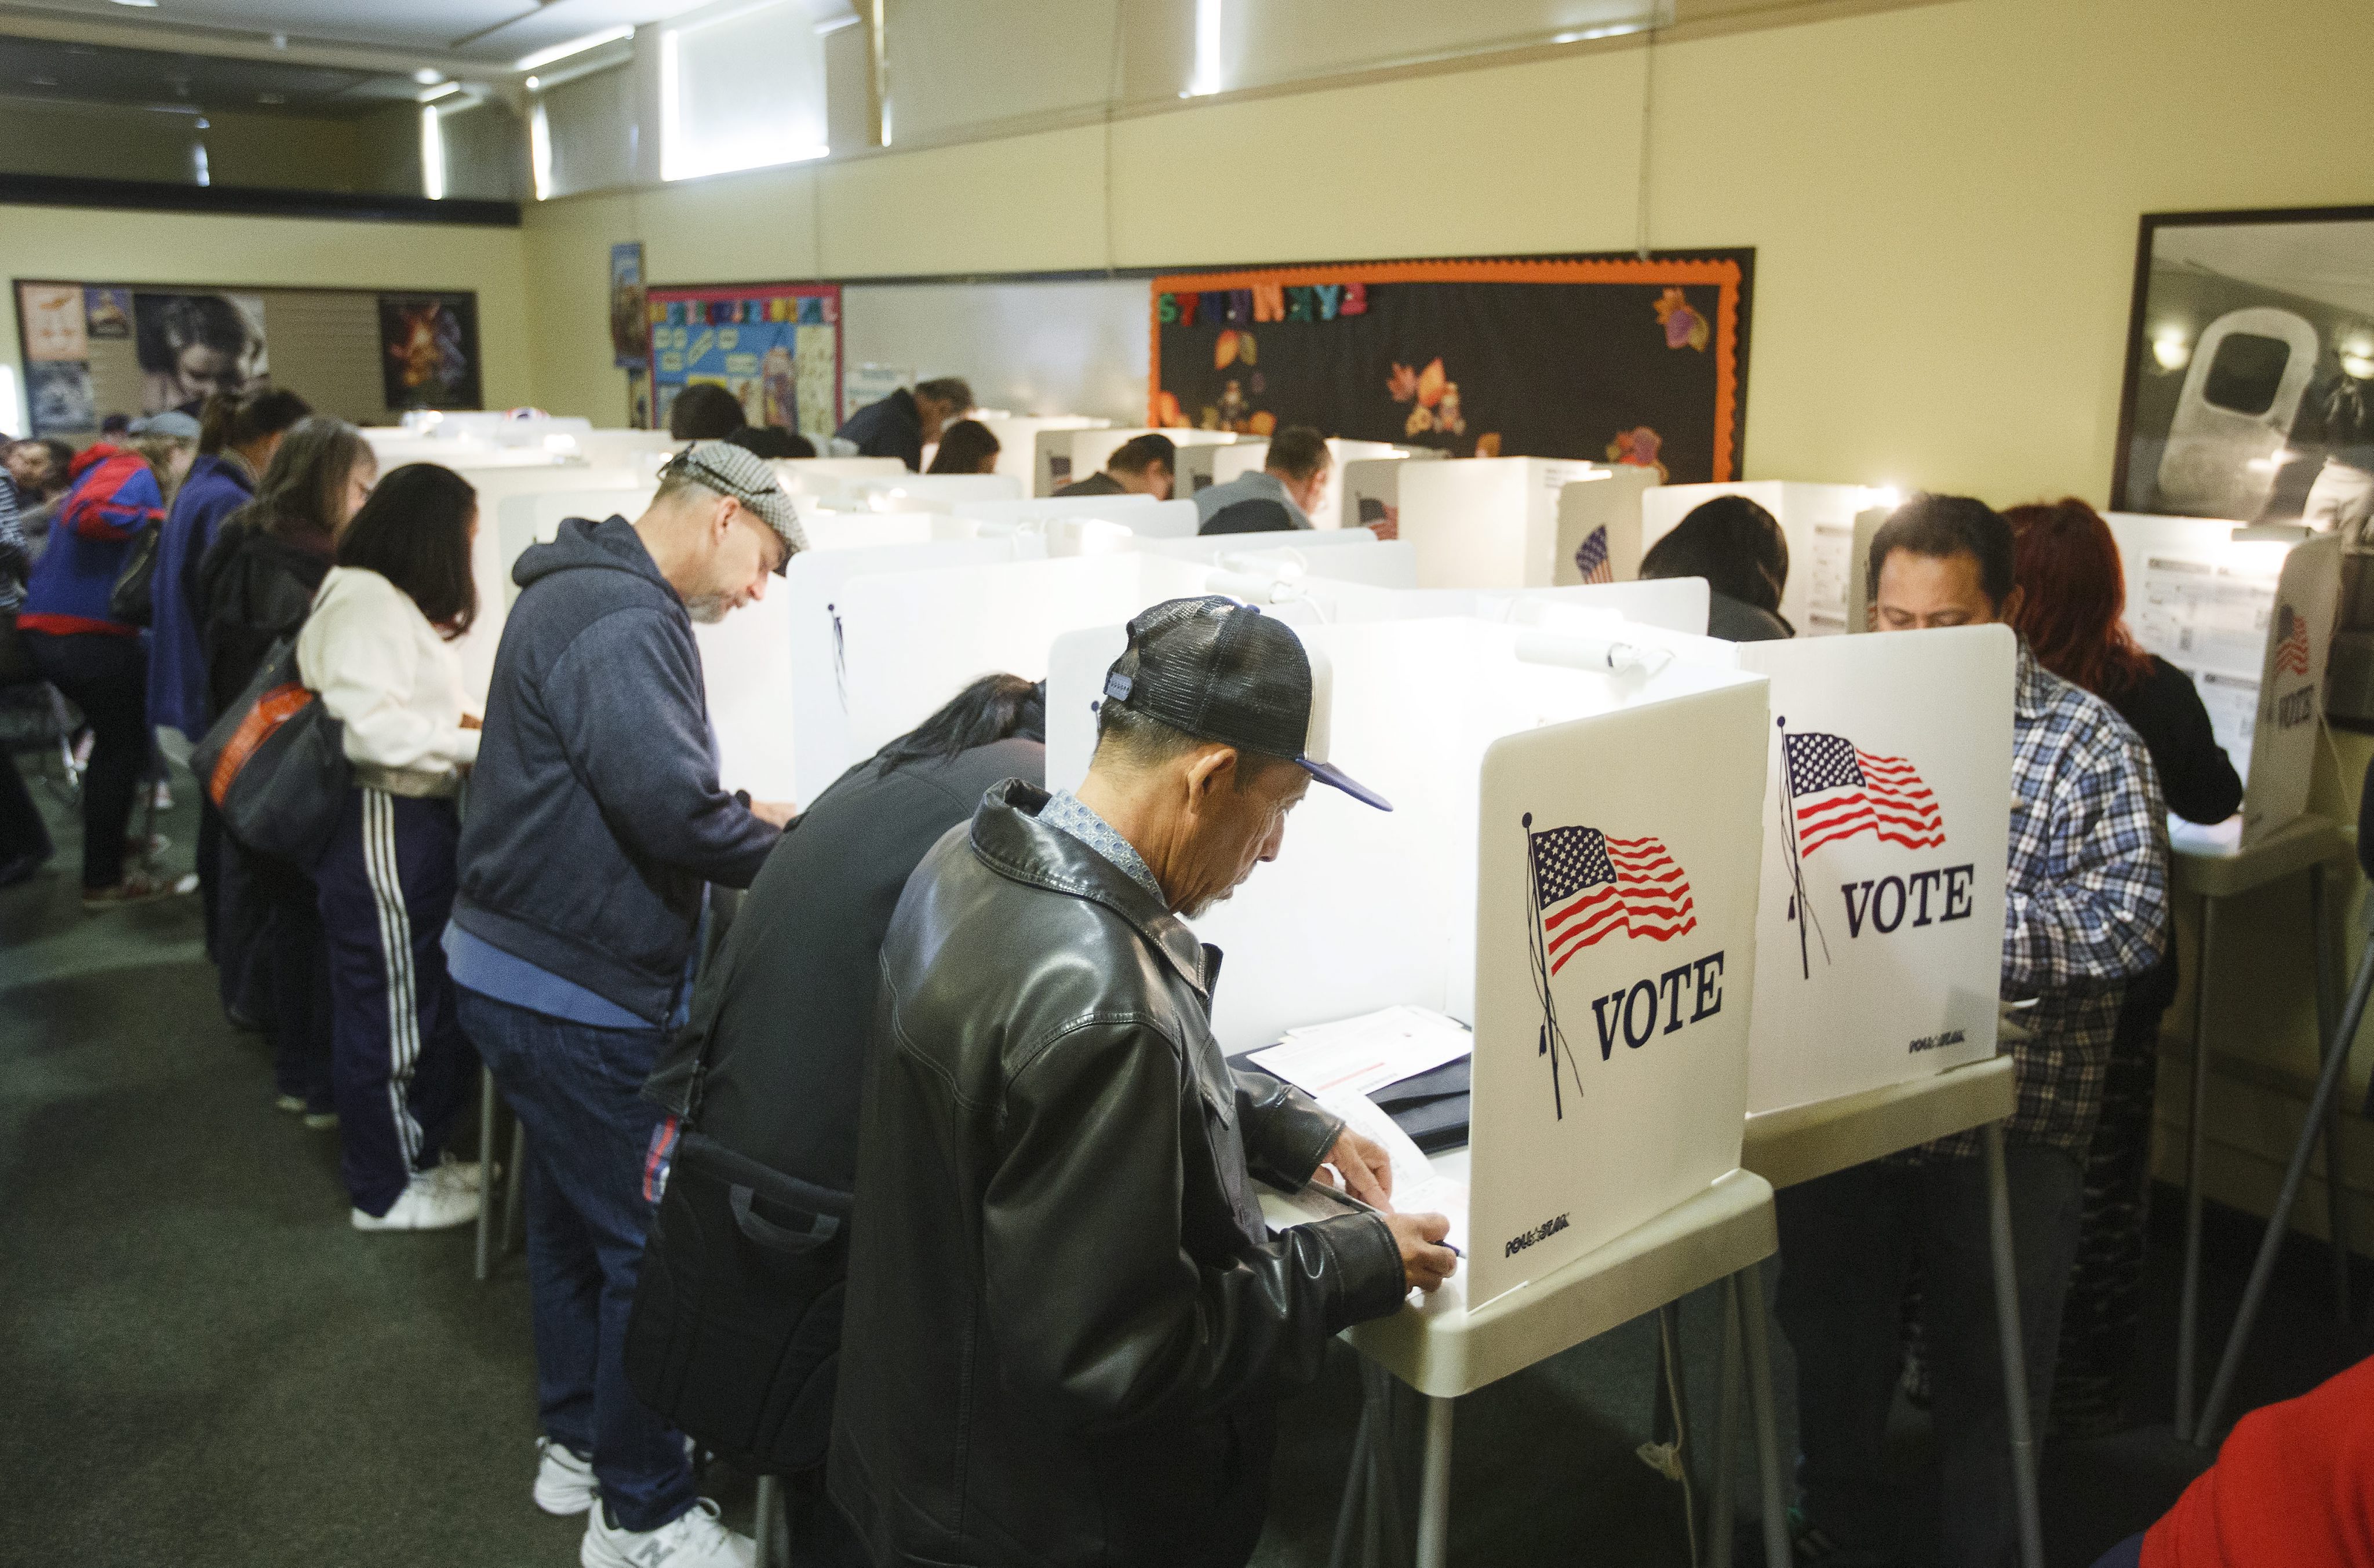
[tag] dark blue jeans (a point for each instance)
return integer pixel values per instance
(578, 1091)
(1847, 1240)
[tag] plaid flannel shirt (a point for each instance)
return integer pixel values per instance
(2086, 906)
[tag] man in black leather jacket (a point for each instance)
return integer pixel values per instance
(1067, 1324)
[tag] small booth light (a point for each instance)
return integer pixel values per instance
(2357, 359)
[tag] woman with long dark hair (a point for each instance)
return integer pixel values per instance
(1738, 547)
(375, 647)
(966, 447)
(256, 584)
(2071, 594)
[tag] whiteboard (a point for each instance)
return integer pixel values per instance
(1065, 346)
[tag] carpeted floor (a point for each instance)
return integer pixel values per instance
(203, 1365)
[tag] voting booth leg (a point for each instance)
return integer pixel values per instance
(2015, 1360)
(1720, 1503)
(488, 1103)
(2327, 1087)
(2187, 1309)
(766, 1523)
(2337, 1195)
(1673, 1398)
(514, 1187)
(1434, 1487)
(1748, 1287)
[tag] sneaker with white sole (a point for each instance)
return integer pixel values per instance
(696, 1538)
(564, 1478)
(467, 1173)
(434, 1201)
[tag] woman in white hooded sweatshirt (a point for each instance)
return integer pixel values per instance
(376, 648)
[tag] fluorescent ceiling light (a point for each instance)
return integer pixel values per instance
(432, 156)
(448, 91)
(544, 57)
(144, 5)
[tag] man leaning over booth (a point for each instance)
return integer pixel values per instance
(595, 821)
(1067, 1325)
(2085, 911)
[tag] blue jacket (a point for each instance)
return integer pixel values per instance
(216, 486)
(114, 497)
(595, 815)
(892, 427)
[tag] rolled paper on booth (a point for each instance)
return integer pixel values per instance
(1254, 588)
(1575, 651)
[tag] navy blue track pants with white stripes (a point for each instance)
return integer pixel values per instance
(400, 1065)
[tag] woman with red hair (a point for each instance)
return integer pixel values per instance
(2072, 593)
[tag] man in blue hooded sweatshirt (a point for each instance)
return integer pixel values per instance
(595, 821)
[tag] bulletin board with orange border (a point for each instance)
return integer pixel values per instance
(1612, 358)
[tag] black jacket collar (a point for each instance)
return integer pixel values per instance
(1012, 841)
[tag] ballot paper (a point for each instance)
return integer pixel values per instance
(1825, 605)
(1418, 1187)
(1360, 1056)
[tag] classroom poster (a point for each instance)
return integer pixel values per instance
(107, 312)
(1618, 360)
(630, 349)
(775, 346)
(50, 316)
(429, 350)
(192, 345)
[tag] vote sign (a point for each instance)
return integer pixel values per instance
(1615, 966)
(1887, 803)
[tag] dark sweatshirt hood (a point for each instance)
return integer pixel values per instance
(611, 544)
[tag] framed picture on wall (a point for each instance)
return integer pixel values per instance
(2250, 373)
(429, 350)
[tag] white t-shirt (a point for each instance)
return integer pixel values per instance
(385, 674)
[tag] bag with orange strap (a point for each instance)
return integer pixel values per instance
(275, 764)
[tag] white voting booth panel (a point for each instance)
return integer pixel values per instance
(983, 619)
(1142, 515)
(1486, 522)
(1887, 809)
(826, 479)
(1017, 439)
(812, 591)
(2299, 643)
(2205, 602)
(506, 526)
(926, 492)
(1433, 904)
(1819, 520)
(1367, 487)
(1599, 525)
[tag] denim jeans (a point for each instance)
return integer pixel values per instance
(577, 1089)
(1847, 1241)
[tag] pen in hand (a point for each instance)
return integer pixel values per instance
(1338, 1195)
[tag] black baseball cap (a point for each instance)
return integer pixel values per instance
(1220, 670)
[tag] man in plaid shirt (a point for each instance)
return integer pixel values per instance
(2086, 911)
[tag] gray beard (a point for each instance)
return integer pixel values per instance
(706, 609)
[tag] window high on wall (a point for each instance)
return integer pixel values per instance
(743, 87)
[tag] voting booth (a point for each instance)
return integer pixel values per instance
(1017, 439)
(1368, 489)
(1599, 526)
(1065, 457)
(1486, 522)
(1888, 805)
(1819, 521)
(1249, 454)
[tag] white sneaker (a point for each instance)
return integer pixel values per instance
(467, 1173)
(564, 1479)
(692, 1540)
(433, 1203)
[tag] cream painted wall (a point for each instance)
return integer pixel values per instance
(75, 243)
(1942, 202)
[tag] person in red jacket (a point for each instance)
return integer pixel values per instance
(96, 659)
(2290, 1488)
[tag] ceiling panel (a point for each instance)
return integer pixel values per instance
(480, 31)
(38, 69)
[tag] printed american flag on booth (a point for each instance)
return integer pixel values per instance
(1841, 790)
(1588, 886)
(1591, 557)
(2291, 641)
